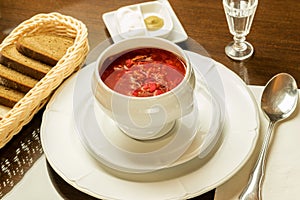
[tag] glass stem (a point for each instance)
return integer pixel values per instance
(239, 43)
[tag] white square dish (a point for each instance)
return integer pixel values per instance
(172, 29)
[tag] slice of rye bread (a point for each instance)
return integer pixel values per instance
(12, 58)
(9, 97)
(15, 80)
(46, 48)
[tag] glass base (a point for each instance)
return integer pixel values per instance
(237, 53)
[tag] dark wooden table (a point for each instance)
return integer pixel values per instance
(275, 35)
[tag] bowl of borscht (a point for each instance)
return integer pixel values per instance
(144, 84)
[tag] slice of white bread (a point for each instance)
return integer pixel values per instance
(16, 80)
(46, 48)
(13, 59)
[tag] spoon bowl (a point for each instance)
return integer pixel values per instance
(280, 97)
(278, 102)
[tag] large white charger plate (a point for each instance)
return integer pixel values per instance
(74, 164)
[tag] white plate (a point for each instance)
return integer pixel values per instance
(177, 34)
(108, 144)
(74, 164)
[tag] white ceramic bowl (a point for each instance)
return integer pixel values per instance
(144, 118)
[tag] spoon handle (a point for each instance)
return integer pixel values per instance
(253, 189)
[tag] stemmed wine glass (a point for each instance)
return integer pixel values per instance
(239, 15)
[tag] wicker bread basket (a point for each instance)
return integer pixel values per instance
(37, 97)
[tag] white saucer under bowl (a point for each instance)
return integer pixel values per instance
(69, 158)
(108, 144)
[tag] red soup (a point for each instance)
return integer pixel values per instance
(143, 72)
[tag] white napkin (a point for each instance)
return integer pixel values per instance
(282, 178)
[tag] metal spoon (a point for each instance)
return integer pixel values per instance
(279, 100)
